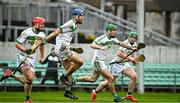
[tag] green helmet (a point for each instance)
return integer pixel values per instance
(111, 27)
(133, 34)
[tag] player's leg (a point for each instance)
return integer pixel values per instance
(19, 78)
(29, 76)
(110, 81)
(100, 87)
(76, 62)
(115, 70)
(130, 72)
(90, 78)
(68, 92)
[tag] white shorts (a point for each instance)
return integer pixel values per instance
(99, 64)
(63, 52)
(29, 61)
(117, 68)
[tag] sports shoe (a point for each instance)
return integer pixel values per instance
(131, 98)
(117, 98)
(93, 96)
(28, 101)
(7, 73)
(69, 94)
(64, 80)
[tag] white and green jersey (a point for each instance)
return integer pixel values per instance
(68, 30)
(124, 50)
(104, 41)
(27, 39)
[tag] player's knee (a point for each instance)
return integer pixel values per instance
(110, 79)
(134, 78)
(29, 79)
(29, 82)
(80, 62)
(105, 83)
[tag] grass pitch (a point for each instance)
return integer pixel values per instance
(104, 97)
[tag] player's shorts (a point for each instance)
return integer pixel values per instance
(99, 64)
(29, 60)
(117, 68)
(63, 51)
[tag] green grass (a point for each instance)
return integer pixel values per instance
(49, 97)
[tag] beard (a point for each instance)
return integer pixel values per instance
(113, 36)
(131, 43)
(79, 22)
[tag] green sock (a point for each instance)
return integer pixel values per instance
(114, 94)
(27, 97)
(65, 74)
(129, 93)
(11, 75)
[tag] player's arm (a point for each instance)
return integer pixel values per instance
(127, 46)
(20, 47)
(117, 42)
(53, 34)
(96, 42)
(96, 46)
(122, 55)
(19, 42)
(41, 49)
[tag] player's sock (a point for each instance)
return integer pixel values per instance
(129, 93)
(94, 91)
(11, 75)
(114, 94)
(68, 88)
(65, 75)
(27, 97)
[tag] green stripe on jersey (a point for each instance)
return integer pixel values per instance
(18, 42)
(31, 39)
(73, 28)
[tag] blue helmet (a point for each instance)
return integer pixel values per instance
(78, 12)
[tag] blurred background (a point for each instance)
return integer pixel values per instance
(161, 34)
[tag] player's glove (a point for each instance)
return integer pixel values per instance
(29, 51)
(77, 50)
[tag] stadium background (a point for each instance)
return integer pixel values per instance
(162, 65)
